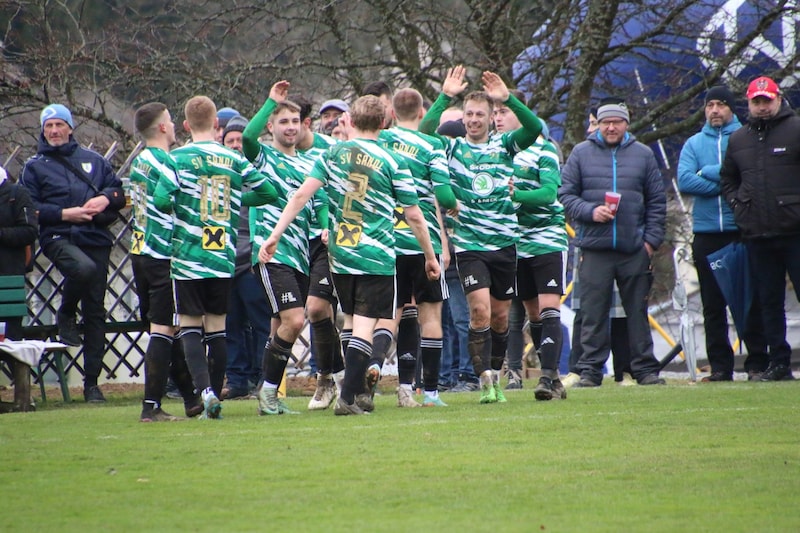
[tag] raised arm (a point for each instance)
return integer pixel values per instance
(452, 86)
(250, 145)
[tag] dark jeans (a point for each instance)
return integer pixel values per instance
(598, 270)
(770, 260)
(455, 328)
(247, 327)
(715, 314)
(85, 271)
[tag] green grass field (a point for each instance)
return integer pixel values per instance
(721, 457)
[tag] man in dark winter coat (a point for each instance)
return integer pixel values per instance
(759, 178)
(77, 196)
(617, 238)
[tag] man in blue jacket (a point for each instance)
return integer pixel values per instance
(714, 228)
(77, 196)
(617, 241)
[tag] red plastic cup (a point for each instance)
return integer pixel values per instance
(612, 200)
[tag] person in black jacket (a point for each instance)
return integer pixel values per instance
(77, 196)
(17, 232)
(759, 178)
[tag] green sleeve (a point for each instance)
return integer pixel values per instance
(263, 194)
(430, 122)
(250, 145)
(162, 196)
(541, 197)
(531, 125)
(321, 208)
(445, 196)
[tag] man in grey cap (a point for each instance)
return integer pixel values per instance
(329, 111)
(613, 191)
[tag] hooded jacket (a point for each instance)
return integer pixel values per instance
(53, 188)
(630, 168)
(17, 227)
(698, 175)
(760, 176)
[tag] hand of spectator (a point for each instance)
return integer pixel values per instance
(454, 83)
(76, 215)
(280, 91)
(97, 204)
(494, 86)
(267, 250)
(649, 249)
(602, 214)
(432, 269)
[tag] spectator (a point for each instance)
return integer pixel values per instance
(714, 228)
(759, 180)
(620, 344)
(18, 230)
(617, 244)
(247, 324)
(223, 116)
(77, 196)
(329, 111)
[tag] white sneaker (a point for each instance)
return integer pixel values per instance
(627, 380)
(570, 380)
(325, 394)
(405, 398)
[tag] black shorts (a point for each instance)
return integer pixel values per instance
(412, 282)
(320, 281)
(154, 288)
(495, 270)
(543, 274)
(366, 295)
(198, 297)
(285, 287)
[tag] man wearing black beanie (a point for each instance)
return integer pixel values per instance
(714, 228)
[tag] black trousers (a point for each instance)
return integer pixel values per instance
(85, 271)
(715, 314)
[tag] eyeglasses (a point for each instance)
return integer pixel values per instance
(613, 122)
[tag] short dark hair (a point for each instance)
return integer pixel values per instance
(305, 106)
(377, 88)
(284, 106)
(146, 116)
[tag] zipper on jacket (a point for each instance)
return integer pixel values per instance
(719, 196)
(614, 189)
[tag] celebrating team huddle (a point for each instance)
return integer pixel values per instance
(356, 225)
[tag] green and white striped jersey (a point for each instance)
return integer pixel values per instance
(427, 161)
(542, 230)
(208, 198)
(364, 183)
(286, 174)
(318, 147)
(480, 175)
(151, 229)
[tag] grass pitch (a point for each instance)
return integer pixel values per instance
(710, 457)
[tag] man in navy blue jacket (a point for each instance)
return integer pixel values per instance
(77, 195)
(714, 228)
(617, 240)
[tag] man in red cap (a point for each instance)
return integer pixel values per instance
(759, 180)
